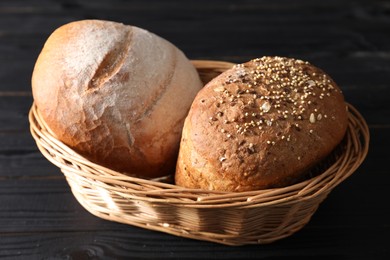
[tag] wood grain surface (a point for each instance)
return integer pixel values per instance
(40, 218)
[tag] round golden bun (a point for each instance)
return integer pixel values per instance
(117, 94)
(261, 124)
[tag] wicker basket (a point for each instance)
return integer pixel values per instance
(256, 217)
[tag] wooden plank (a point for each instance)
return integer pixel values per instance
(367, 71)
(19, 156)
(134, 243)
(42, 227)
(23, 161)
(14, 113)
(42, 212)
(347, 41)
(27, 165)
(34, 199)
(370, 99)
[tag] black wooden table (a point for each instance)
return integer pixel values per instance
(40, 218)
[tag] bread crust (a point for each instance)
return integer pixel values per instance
(261, 124)
(110, 91)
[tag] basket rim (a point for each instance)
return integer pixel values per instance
(70, 162)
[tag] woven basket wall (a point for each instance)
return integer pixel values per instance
(256, 217)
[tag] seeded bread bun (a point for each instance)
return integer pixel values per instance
(261, 124)
(116, 94)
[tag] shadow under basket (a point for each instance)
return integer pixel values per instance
(256, 217)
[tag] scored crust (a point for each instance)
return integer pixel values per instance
(109, 91)
(261, 124)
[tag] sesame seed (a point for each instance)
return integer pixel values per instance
(222, 159)
(312, 118)
(311, 83)
(219, 89)
(265, 107)
(319, 117)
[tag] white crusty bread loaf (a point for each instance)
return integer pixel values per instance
(117, 94)
(259, 125)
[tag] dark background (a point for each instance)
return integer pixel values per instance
(39, 217)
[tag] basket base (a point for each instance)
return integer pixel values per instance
(252, 226)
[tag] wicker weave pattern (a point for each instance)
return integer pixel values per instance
(256, 217)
